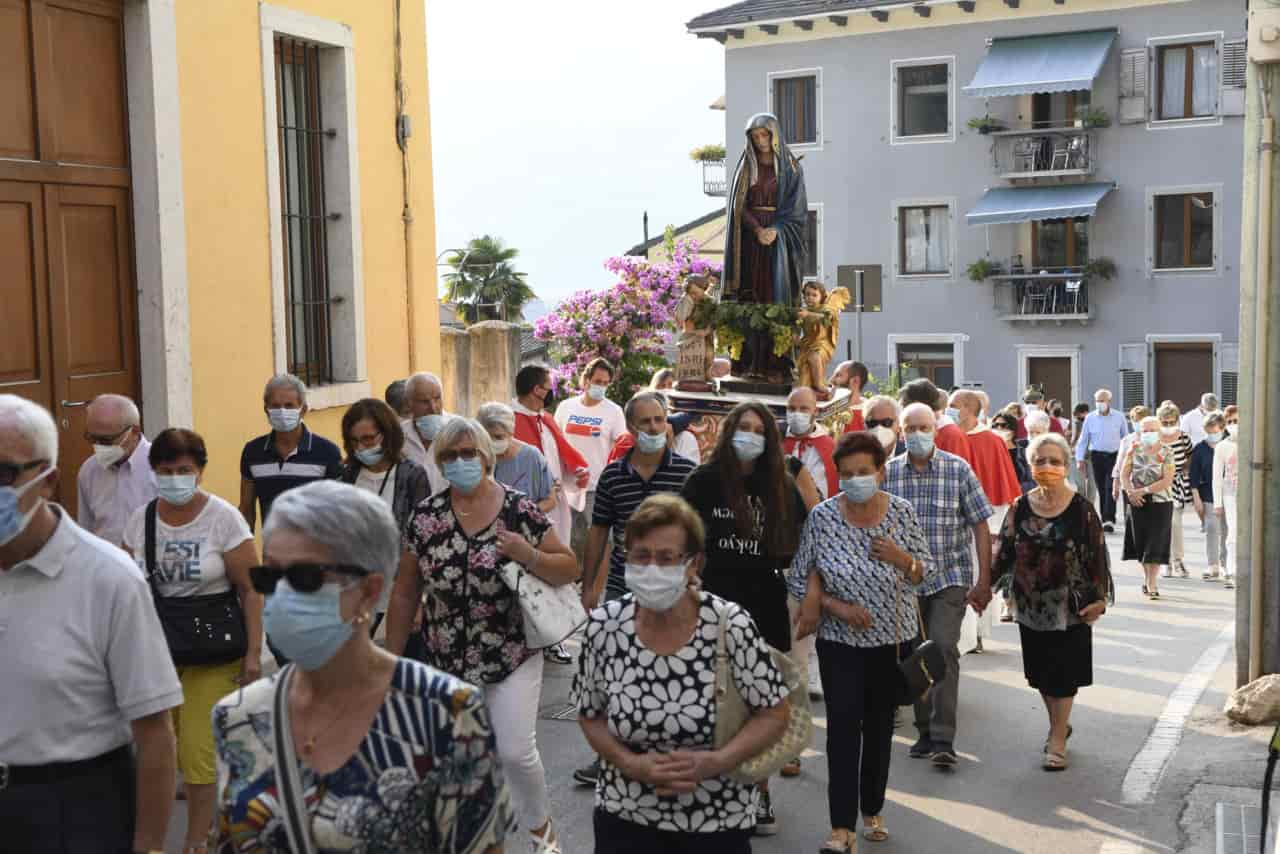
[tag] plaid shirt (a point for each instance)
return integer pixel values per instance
(949, 501)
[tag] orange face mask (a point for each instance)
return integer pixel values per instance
(1048, 477)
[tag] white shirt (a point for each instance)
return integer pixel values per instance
(189, 557)
(383, 485)
(687, 447)
(108, 495)
(812, 460)
(592, 431)
(1193, 426)
(1226, 472)
(81, 651)
(415, 450)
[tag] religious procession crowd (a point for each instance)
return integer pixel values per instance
(414, 582)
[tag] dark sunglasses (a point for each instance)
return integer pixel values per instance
(10, 472)
(464, 453)
(303, 577)
(873, 423)
(95, 439)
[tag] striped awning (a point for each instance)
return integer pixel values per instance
(1062, 62)
(1026, 204)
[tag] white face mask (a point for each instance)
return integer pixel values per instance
(888, 438)
(284, 420)
(500, 447)
(596, 392)
(657, 588)
(799, 423)
(108, 455)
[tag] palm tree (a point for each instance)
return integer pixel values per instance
(484, 283)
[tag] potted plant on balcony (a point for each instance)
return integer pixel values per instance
(985, 124)
(983, 269)
(1100, 268)
(707, 153)
(1093, 117)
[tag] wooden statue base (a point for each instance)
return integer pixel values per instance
(710, 407)
(695, 385)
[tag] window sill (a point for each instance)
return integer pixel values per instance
(925, 277)
(923, 138)
(336, 394)
(1198, 121)
(803, 147)
(1184, 271)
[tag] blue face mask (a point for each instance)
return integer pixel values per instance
(919, 444)
(953, 414)
(12, 521)
(176, 489)
(1213, 438)
(306, 627)
(860, 489)
(596, 392)
(465, 475)
(284, 420)
(429, 426)
(650, 443)
(369, 456)
(748, 446)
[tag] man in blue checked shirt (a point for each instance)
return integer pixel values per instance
(953, 510)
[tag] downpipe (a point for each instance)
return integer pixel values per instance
(1261, 359)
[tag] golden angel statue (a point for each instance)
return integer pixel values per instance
(820, 329)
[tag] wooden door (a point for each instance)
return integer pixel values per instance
(68, 290)
(1052, 375)
(1183, 373)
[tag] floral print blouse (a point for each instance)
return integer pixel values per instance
(667, 702)
(1052, 567)
(471, 622)
(425, 778)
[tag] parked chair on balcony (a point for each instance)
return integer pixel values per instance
(1038, 297)
(1074, 289)
(1024, 154)
(1069, 151)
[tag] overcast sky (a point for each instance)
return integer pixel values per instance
(556, 124)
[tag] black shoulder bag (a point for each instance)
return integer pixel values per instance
(199, 629)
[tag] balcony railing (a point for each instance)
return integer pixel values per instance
(1059, 294)
(1043, 153)
(714, 182)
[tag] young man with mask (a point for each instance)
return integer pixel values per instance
(592, 424)
(117, 479)
(953, 510)
(287, 457)
(87, 750)
(809, 442)
(649, 468)
(535, 426)
(1101, 435)
(424, 398)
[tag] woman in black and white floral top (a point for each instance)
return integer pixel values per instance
(646, 689)
(455, 546)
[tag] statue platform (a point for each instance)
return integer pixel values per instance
(710, 407)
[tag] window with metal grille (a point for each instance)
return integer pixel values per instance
(1230, 385)
(795, 103)
(308, 326)
(1133, 389)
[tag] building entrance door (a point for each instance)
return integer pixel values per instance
(1184, 371)
(1052, 375)
(70, 311)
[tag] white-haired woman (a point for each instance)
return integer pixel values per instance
(455, 546)
(392, 755)
(518, 465)
(1179, 443)
(1147, 476)
(1052, 559)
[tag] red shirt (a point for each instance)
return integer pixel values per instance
(952, 439)
(856, 423)
(993, 467)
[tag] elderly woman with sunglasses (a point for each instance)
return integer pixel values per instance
(391, 755)
(456, 545)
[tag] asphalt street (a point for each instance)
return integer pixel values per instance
(998, 799)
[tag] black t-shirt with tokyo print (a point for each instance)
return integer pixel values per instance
(739, 568)
(667, 702)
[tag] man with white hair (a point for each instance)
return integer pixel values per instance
(1101, 436)
(87, 750)
(117, 479)
(1193, 421)
(424, 395)
(287, 457)
(953, 510)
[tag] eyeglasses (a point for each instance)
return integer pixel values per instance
(463, 453)
(303, 577)
(872, 423)
(95, 439)
(10, 472)
(647, 558)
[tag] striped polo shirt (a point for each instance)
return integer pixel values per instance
(619, 492)
(315, 458)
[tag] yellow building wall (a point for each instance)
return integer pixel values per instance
(710, 239)
(225, 185)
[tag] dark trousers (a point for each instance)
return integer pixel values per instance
(859, 684)
(90, 813)
(1103, 463)
(943, 613)
(618, 836)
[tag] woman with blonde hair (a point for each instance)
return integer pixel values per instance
(1173, 438)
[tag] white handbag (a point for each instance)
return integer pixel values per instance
(551, 613)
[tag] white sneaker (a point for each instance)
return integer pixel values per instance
(548, 844)
(1229, 582)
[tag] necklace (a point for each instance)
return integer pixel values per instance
(309, 745)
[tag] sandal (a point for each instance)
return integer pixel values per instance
(1068, 738)
(791, 769)
(873, 828)
(1054, 761)
(842, 841)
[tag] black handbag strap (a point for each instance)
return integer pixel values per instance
(149, 545)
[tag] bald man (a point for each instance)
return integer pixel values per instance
(424, 397)
(809, 442)
(987, 452)
(117, 479)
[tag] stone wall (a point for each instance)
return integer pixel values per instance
(479, 364)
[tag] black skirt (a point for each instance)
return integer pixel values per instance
(1147, 534)
(1057, 663)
